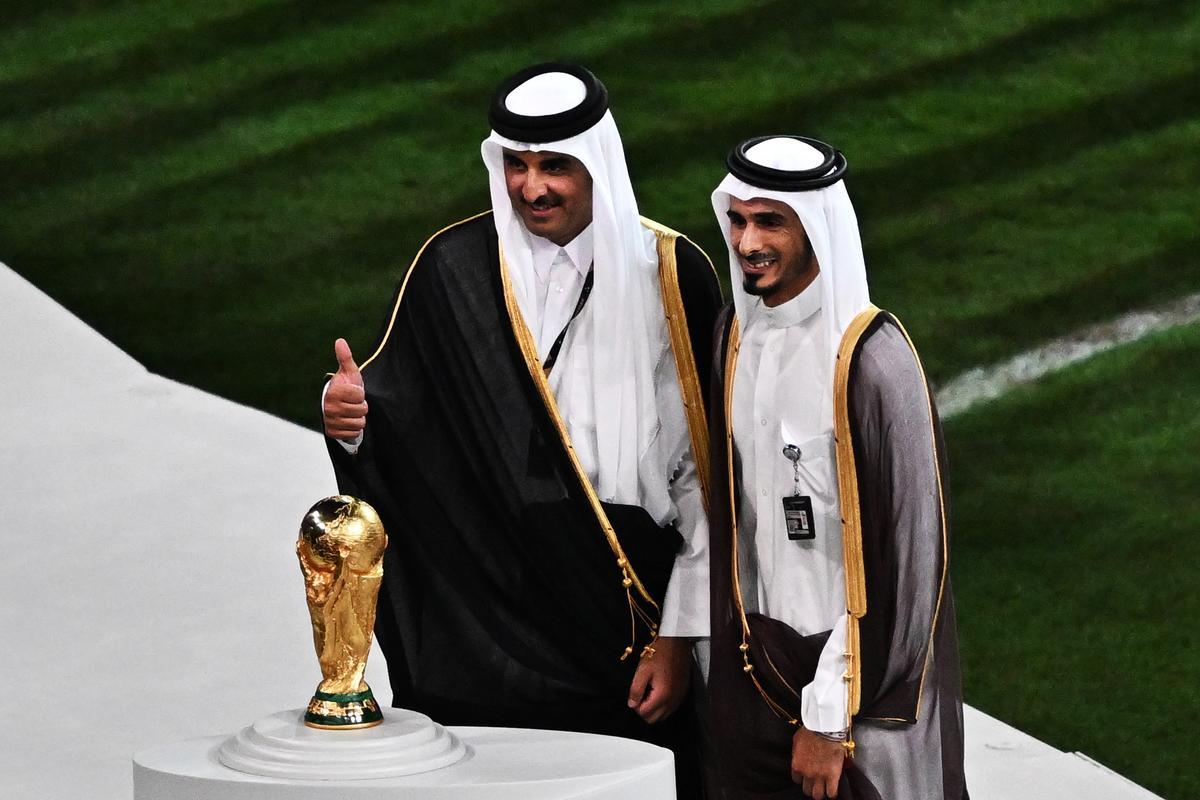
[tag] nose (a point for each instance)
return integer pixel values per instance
(534, 186)
(749, 241)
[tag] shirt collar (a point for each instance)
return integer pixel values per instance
(579, 251)
(799, 309)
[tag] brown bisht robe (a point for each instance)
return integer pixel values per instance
(904, 692)
(503, 600)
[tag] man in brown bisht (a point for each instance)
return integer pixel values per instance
(526, 428)
(834, 666)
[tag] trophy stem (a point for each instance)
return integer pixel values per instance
(343, 711)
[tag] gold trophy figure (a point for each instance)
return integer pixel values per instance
(341, 548)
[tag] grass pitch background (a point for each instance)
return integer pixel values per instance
(223, 188)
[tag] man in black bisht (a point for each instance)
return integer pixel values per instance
(529, 428)
(833, 629)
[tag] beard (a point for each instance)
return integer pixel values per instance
(752, 285)
(755, 285)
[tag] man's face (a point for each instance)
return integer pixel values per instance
(552, 193)
(772, 249)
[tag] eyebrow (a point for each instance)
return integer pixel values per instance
(769, 218)
(760, 217)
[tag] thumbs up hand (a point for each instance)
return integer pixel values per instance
(345, 406)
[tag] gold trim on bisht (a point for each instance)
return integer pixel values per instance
(847, 477)
(856, 602)
(404, 284)
(681, 348)
(629, 578)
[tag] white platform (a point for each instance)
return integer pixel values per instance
(151, 593)
(502, 764)
(280, 745)
(1005, 764)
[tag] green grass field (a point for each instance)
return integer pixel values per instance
(223, 188)
(1076, 515)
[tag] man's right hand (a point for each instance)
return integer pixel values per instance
(816, 764)
(345, 406)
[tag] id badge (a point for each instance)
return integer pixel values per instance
(798, 517)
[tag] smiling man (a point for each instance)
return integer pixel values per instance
(552, 192)
(773, 251)
(529, 428)
(834, 665)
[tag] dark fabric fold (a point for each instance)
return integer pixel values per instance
(502, 602)
(701, 295)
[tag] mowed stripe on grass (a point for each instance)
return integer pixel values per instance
(251, 177)
(1075, 519)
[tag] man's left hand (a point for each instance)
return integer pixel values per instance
(816, 764)
(661, 680)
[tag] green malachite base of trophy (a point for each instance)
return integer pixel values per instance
(343, 711)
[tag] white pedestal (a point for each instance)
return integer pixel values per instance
(282, 746)
(500, 764)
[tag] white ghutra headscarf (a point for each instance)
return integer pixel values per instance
(625, 329)
(828, 219)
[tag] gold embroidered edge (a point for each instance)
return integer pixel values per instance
(659, 228)
(851, 512)
(681, 349)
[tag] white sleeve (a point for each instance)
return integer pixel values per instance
(352, 446)
(685, 607)
(823, 702)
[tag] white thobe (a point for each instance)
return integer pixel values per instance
(560, 273)
(783, 395)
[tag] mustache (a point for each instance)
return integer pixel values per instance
(758, 257)
(542, 203)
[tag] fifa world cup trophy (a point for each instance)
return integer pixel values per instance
(341, 548)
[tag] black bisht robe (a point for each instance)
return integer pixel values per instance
(502, 602)
(904, 680)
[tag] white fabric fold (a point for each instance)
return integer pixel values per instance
(559, 273)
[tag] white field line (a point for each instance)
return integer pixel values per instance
(984, 383)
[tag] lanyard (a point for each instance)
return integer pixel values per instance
(548, 364)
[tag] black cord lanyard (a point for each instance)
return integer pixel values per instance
(548, 364)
